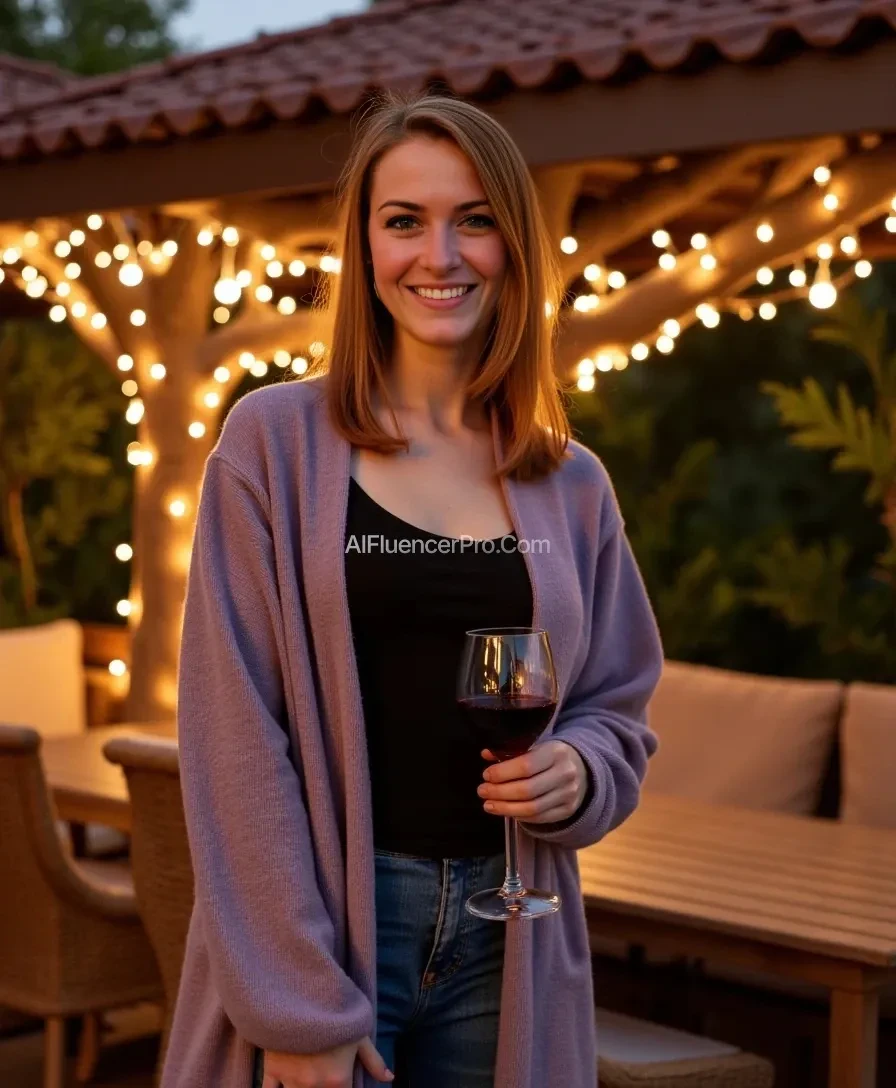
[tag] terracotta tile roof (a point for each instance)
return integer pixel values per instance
(24, 81)
(471, 45)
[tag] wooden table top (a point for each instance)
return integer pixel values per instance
(85, 785)
(808, 884)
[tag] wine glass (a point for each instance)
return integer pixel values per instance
(507, 685)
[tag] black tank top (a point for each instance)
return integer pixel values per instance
(409, 612)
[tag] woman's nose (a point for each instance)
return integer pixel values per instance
(441, 252)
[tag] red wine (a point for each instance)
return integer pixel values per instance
(508, 725)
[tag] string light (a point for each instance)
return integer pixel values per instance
(831, 201)
(616, 280)
(246, 359)
(169, 247)
(134, 411)
(222, 374)
(57, 313)
(79, 309)
(157, 371)
(121, 252)
(661, 238)
(282, 357)
(822, 175)
(98, 321)
(586, 303)
(230, 236)
(797, 277)
(667, 261)
(62, 248)
(196, 430)
(117, 667)
(764, 275)
(299, 365)
(77, 237)
(297, 268)
(699, 241)
(124, 552)
(11, 255)
(640, 351)
(268, 252)
(823, 293)
(567, 244)
(709, 315)
(863, 269)
(825, 251)
(130, 274)
(258, 369)
(274, 269)
(36, 288)
(177, 508)
(102, 259)
(334, 264)
(593, 272)
(95, 221)
(138, 317)
(31, 239)
(767, 311)
(263, 293)
(849, 244)
(765, 232)
(244, 277)
(671, 328)
(227, 291)
(63, 289)
(125, 362)
(212, 400)
(124, 608)
(708, 261)
(205, 237)
(665, 344)
(890, 223)
(221, 314)
(129, 388)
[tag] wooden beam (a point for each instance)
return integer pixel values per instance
(865, 185)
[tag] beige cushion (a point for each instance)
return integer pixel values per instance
(868, 739)
(42, 678)
(734, 738)
(640, 1042)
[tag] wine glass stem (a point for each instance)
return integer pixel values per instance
(513, 886)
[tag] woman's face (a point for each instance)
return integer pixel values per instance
(438, 258)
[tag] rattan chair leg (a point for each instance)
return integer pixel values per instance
(54, 1052)
(89, 1048)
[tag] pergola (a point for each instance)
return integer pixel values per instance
(179, 215)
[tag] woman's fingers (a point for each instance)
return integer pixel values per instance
(524, 789)
(372, 1060)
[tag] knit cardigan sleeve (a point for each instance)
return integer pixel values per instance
(269, 936)
(604, 715)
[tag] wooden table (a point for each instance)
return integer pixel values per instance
(86, 787)
(806, 899)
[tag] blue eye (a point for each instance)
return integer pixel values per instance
(396, 219)
(483, 220)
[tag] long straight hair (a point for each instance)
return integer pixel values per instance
(515, 375)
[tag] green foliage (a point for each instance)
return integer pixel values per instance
(89, 37)
(56, 480)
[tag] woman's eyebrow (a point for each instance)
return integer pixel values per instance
(411, 207)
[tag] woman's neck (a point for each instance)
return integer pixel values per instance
(429, 384)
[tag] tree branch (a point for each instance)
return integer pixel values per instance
(258, 335)
(864, 185)
(790, 173)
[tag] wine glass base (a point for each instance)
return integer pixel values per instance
(494, 905)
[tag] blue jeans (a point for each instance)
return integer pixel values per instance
(439, 971)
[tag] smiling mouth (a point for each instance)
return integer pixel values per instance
(443, 293)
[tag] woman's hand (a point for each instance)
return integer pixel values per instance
(546, 785)
(329, 1069)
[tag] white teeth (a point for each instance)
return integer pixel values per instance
(448, 292)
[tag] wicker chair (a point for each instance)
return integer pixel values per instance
(71, 942)
(638, 1054)
(160, 855)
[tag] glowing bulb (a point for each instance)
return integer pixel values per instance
(822, 175)
(177, 508)
(125, 362)
(764, 275)
(299, 365)
(230, 236)
(699, 240)
(130, 273)
(767, 311)
(268, 252)
(11, 255)
(616, 280)
(31, 239)
(121, 252)
(708, 261)
(72, 270)
(849, 244)
(665, 344)
(890, 223)
(157, 371)
(317, 348)
(667, 261)
(274, 269)
(129, 388)
(263, 293)
(57, 313)
(569, 244)
(134, 411)
(797, 277)
(671, 327)
(124, 552)
(102, 259)
(63, 289)
(548, 309)
(244, 277)
(592, 272)
(94, 222)
(765, 232)
(640, 351)
(258, 369)
(822, 293)
(282, 357)
(124, 608)
(825, 251)
(77, 237)
(62, 248)
(330, 264)
(604, 361)
(246, 359)
(221, 314)
(169, 247)
(79, 309)
(138, 317)
(297, 268)
(227, 291)
(117, 667)
(831, 201)
(586, 383)
(222, 374)
(863, 269)
(287, 305)
(196, 430)
(205, 237)
(36, 288)
(661, 238)
(144, 247)
(585, 366)
(212, 400)
(98, 321)
(709, 315)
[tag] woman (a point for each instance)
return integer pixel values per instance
(338, 814)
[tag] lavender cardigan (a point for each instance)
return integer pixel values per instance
(281, 950)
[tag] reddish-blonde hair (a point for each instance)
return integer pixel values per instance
(515, 376)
